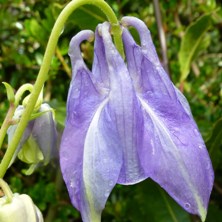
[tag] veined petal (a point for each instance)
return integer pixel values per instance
(174, 154)
(179, 161)
(45, 134)
(100, 66)
(123, 102)
(102, 161)
(82, 103)
(147, 45)
(143, 60)
(74, 50)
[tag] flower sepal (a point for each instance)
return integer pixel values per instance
(39, 142)
(17, 207)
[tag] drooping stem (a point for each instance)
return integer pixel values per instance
(8, 119)
(6, 190)
(20, 92)
(43, 73)
(6, 123)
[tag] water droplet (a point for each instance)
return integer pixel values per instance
(208, 166)
(187, 205)
(200, 146)
(196, 132)
(110, 183)
(72, 184)
(65, 155)
(149, 93)
(76, 93)
(106, 194)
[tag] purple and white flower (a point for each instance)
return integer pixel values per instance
(127, 122)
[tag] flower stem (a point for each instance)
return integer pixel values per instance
(6, 190)
(6, 123)
(20, 92)
(43, 73)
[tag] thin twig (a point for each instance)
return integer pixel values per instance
(162, 37)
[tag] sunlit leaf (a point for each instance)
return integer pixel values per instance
(190, 45)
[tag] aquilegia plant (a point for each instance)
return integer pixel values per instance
(127, 122)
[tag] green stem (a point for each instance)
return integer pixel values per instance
(6, 190)
(6, 123)
(11, 111)
(43, 73)
(20, 92)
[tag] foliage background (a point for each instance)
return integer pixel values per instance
(24, 30)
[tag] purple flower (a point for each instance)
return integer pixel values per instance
(39, 141)
(126, 122)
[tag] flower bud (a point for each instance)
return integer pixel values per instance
(20, 209)
(17, 208)
(38, 144)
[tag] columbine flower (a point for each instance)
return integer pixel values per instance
(16, 207)
(39, 141)
(126, 122)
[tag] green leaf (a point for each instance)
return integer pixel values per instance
(192, 43)
(10, 92)
(154, 204)
(214, 213)
(35, 30)
(60, 111)
(214, 144)
(87, 17)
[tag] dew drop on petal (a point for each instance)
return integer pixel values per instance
(200, 146)
(65, 155)
(208, 166)
(72, 184)
(106, 194)
(195, 132)
(187, 205)
(110, 183)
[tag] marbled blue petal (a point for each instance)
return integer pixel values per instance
(100, 66)
(83, 100)
(123, 102)
(176, 157)
(102, 160)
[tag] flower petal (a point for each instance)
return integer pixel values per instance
(82, 104)
(176, 157)
(147, 45)
(100, 66)
(123, 102)
(138, 69)
(102, 162)
(45, 134)
(179, 161)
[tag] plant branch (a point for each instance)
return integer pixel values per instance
(162, 37)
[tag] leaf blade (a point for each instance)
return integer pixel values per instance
(191, 42)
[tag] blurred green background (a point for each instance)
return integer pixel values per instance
(193, 35)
